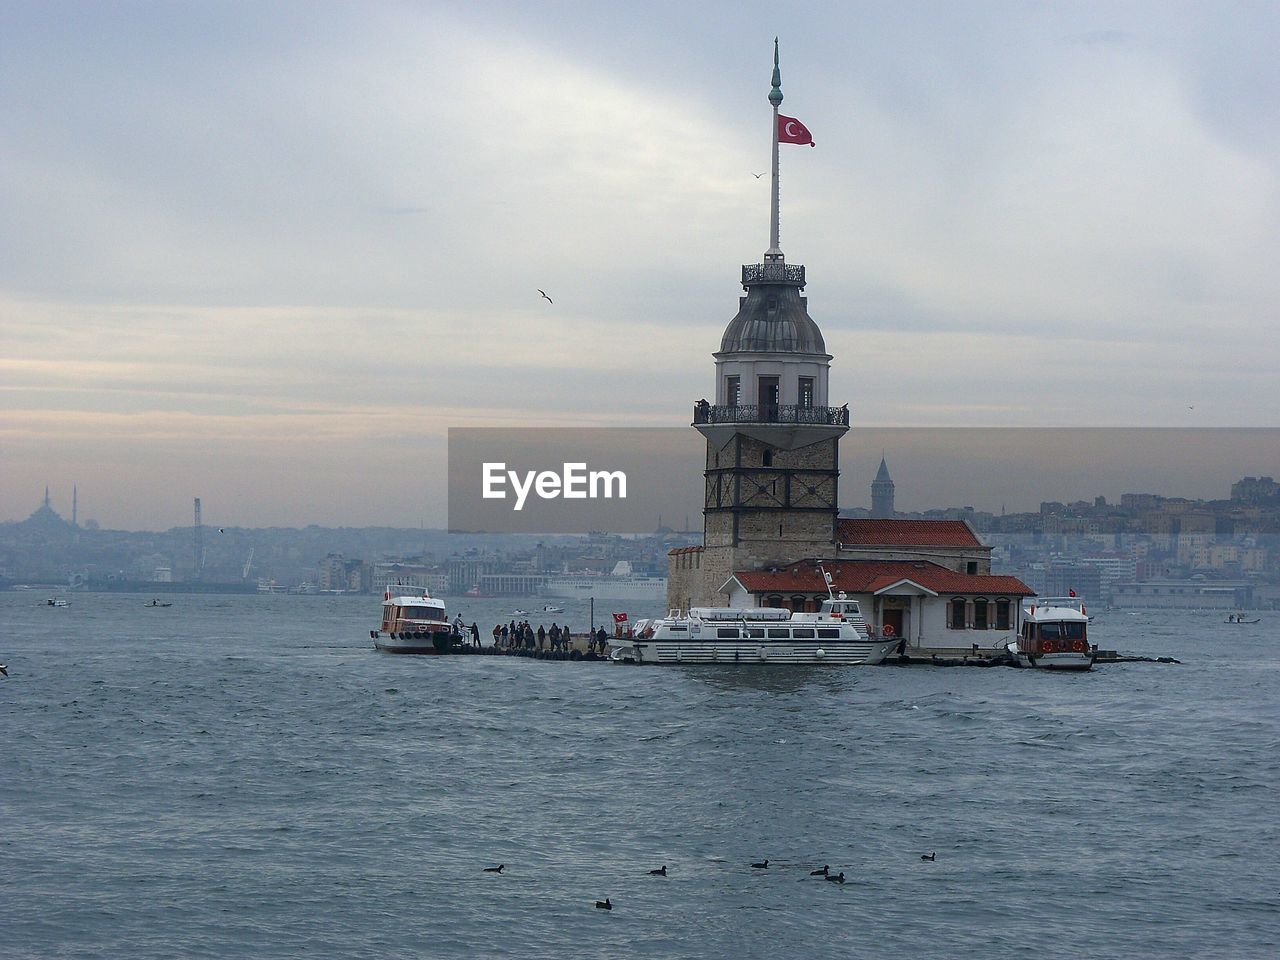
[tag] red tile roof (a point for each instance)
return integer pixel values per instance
(906, 533)
(868, 576)
(676, 551)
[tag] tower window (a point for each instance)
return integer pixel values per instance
(772, 303)
(806, 392)
(732, 391)
(768, 458)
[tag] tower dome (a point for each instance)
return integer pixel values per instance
(772, 318)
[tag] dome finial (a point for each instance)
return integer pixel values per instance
(775, 95)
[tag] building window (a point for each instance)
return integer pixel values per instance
(806, 392)
(956, 620)
(775, 600)
(767, 394)
(980, 613)
(971, 567)
(1002, 613)
(732, 391)
(768, 458)
(797, 604)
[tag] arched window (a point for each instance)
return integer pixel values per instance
(980, 613)
(956, 620)
(775, 600)
(798, 603)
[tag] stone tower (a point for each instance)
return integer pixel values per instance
(772, 461)
(882, 493)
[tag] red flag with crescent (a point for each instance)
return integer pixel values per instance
(791, 130)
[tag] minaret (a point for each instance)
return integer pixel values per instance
(882, 493)
(772, 441)
(75, 505)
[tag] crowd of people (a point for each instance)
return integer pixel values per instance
(520, 635)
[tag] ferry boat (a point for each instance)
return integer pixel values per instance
(412, 624)
(836, 634)
(621, 584)
(1055, 634)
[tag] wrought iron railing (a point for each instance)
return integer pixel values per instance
(773, 273)
(770, 413)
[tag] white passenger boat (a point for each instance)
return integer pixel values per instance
(413, 624)
(1055, 634)
(836, 634)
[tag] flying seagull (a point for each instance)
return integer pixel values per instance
(546, 298)
(757, 175)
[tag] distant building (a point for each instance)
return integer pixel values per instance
(1254, 490)
(882, 493)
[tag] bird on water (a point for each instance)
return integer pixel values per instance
(660, 872)
(762, 865)
(824, 872)
(4, 670)
(604, 904)
(929, 856)
(546, 298)
(836, 877)
(497, 869)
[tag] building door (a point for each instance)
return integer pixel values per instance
(767, 397)
(893, 618)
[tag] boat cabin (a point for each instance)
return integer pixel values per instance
(412, 614)
(1054, 625)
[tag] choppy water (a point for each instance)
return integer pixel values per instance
(246, 777)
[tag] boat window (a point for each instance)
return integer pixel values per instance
(802, 634)
(828, 633)
(422, 613)
(727, 633)
(675, 629)
(779, 633)
(980, 614)
(755, 633)
(1050, 631)
(1073, 631)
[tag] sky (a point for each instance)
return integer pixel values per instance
(267, 254)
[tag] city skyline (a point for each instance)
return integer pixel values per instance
(267, 256)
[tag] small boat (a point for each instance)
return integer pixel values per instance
(157, 603)
(413, 624)
(474, 592)
(548, 608)
(53, 602)
(1055, 634)
(519, 613)
(1239, 618)
(761, 636)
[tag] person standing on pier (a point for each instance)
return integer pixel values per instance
(475, 635)
(542, 636)
(602, 640)
(554, 634)
(499, 631)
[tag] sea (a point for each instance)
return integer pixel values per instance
(245, 776)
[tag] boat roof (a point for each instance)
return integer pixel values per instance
(1054, 608)
(410, 601)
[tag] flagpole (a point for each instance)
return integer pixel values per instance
(775, 98)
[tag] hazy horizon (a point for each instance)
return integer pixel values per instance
(268, 255)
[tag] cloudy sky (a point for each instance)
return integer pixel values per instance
(266, 254)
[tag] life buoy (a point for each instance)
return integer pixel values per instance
(887, 630)
(1078, 646)
(1046, 646)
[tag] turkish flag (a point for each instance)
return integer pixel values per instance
(791, 130)
(619, 618)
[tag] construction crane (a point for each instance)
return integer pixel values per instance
(247, 564)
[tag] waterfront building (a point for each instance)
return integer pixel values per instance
(771, 516)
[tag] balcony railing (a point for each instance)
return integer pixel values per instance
(770, 413)
(773, 273)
